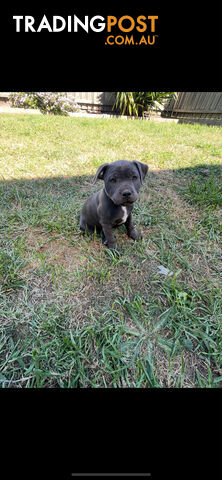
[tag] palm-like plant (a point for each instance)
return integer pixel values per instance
(125, 103)
(135, 103)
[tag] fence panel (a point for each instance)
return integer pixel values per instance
(94, 101)
(207, 103)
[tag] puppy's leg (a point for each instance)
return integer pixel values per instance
(108, 237)
(104, 238)
(82, 223)
(131, 230)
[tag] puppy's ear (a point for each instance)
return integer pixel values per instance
(100, 172)
(142, 168)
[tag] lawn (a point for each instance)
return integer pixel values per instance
(71, 313)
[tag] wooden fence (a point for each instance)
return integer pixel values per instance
(197, 106)
(187, 106)
(94, 101)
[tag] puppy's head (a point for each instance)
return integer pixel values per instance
(122, 180)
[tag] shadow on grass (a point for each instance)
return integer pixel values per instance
(55, 203)
(27, 198)
(209, 122)
(66, 185)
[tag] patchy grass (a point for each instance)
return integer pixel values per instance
(71, 313)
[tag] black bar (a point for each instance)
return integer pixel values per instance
(111, 474)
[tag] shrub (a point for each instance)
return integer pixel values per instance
(135, 103)
(56, 103)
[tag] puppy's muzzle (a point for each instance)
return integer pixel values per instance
(126, 194)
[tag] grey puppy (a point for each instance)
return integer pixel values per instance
(113, 205)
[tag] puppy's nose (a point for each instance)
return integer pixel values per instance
(126, 193)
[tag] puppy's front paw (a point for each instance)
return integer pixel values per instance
(135, 235)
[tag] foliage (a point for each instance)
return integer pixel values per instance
(56, 103)
(125, 102)
(135, 103)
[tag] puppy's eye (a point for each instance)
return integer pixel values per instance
(113, 180)
(135, 177)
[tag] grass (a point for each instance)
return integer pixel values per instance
(72, 314)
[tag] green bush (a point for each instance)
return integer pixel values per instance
(135, 103)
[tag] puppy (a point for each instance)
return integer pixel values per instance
(113, 204)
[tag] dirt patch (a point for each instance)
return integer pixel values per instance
(168, 369)
(53, 250)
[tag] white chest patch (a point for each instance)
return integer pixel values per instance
(125, 215)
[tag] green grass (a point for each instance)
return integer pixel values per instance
(72, 314)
